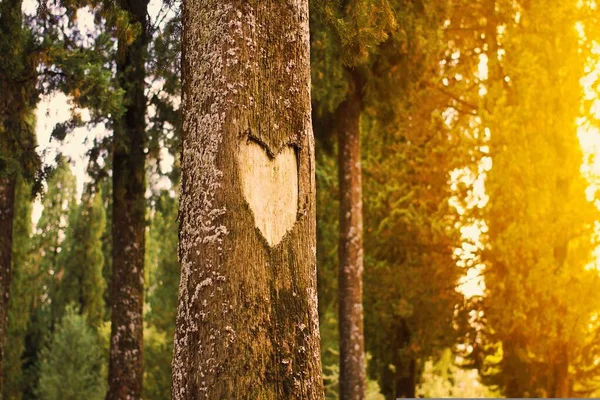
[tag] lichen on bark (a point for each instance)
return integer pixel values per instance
(247, 324)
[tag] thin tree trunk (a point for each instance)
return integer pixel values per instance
(406, 379)
(352, 348)
(128, 223)
(11, 107)
(247, 323)
(561, 386)
(7, 197)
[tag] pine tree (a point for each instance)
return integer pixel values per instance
(45, 264)
(356, 28)
(82, 282)
(247, 323)
(50, 245)
(533, 337)
(71, 364)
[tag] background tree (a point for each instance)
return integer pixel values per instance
(43, 54)
(72, 364)
(17, 139)
(20, 302)
(533, 323)
(412, 148)
(46, 256)
(163, 271)
(82, 284)
(125, 373)
(345, 34)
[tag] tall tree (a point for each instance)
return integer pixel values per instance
(247, 323)
(125, 374)
(7, 194)
(17, 139)
(350, 281)
(536, 327)
(21, 288)
(356, 29)
(369, 61)
(41, 55)
(46, 259)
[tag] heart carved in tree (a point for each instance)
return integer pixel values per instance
(270, 186)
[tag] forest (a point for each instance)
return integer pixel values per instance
(299, 199)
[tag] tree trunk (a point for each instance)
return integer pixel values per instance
(128, 223)
(247, 323)
(561, 387)
(406, 379)
(7, 197)
(352, 348)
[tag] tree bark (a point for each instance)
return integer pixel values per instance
(406, 379)
(560, 382)
(128, 224)
(247, 323)
(352, 348)
(11, 106)
(7, 196)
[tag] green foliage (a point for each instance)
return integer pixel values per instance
(18, 96)
(327, 230)
(45, 54)
(358, 26)
(82, 282)
(442, 379)
(164, 67)
(410, 235)
(59, 204)
(72, 364)
(162, 268)
(330, 359)
(44, 267)
(536, 321)
(158, 350)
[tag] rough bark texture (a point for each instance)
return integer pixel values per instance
(7, 194)
(128, 223)
(247, 323)
(352, 347)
